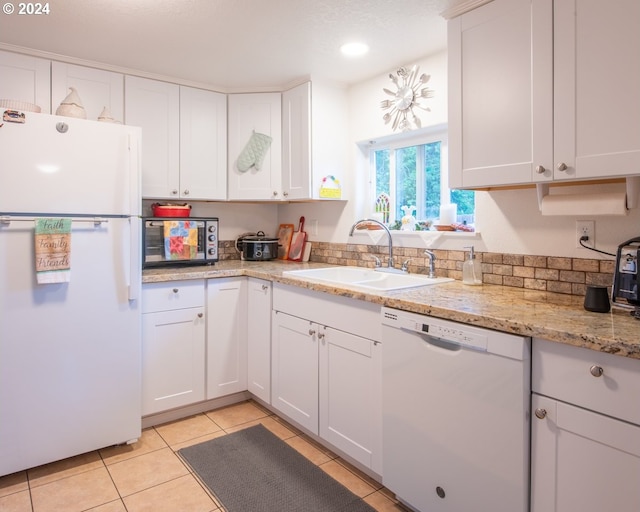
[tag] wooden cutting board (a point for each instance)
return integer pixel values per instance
(285, 233)
(298, 239)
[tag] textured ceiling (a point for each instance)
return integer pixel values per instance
(236, 44)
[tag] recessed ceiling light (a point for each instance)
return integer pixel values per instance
(354, 49)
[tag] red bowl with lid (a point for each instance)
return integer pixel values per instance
(171, 210)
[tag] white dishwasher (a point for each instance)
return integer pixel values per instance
(456, 404)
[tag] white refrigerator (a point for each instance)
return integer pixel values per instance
(70, 352)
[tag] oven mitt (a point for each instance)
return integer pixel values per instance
(254, 152)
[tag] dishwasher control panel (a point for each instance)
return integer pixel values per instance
(441, 329)
(456, 335)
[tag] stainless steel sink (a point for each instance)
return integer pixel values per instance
(366, 278)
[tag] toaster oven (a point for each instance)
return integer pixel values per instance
(179, 241)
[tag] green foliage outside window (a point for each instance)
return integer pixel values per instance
(416, 174)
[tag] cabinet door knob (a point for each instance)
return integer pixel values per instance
(540, 413)
(596, 371)
(186, 192)
(200, 315)
(562, 167)
(174, 192)
(311, 332)
(175, 290)
(265, 287)
(540, 169)
(275, 193)
(285, 193)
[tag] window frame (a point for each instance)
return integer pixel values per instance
(436, 133)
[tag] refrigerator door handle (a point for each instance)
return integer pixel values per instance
(135, 176)
(8, 219)
(135, 276)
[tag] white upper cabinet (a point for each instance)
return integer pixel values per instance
(296, 142)
(25, 78)
(183, 139)
(203, 144)
(542, 90)
(314, 124)
(258, 113)
(155, 106)
(500, 91)
(596, 89)
(97, 89)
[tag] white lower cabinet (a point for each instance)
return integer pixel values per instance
(324, 375)
(294, 369)
(582, 460)
(173, 345)
(325, 378)
(259, 338)
(226, 336)
(585, 433)
(350, 395)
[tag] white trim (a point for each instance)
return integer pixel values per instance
(399, 140)
(460, 9)
(153, 76)
(420, 137)
(420, 239)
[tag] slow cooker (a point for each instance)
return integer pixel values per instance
(257, 247)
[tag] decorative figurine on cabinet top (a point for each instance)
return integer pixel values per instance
(72, 106)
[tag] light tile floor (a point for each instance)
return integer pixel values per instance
(150, 476)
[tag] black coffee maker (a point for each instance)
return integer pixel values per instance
(626, 280)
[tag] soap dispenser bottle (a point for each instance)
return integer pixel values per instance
(471, 269)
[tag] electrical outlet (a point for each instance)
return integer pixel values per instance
(314, 227)
(586, 228)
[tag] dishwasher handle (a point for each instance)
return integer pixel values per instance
(440, 343)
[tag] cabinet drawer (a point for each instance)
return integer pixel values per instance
(564, 372)
(173, 295)
(343, 313)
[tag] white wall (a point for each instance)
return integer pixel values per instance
(365, 114)
(235, 218)
(508, 221)
(365, 123)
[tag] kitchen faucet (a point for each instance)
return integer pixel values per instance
(432, 262)
(390, 267)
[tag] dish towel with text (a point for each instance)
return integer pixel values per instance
(180, 240)
(53, 250)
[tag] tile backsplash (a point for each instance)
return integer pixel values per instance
(544, 273)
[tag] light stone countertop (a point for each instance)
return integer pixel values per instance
(552, 316)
